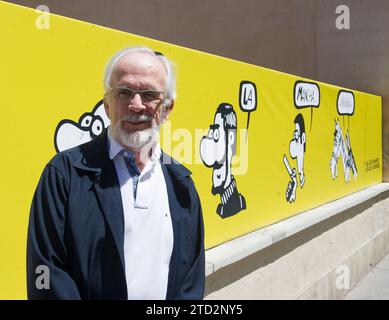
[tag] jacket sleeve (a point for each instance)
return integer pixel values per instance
(47, 277)
(193, 286)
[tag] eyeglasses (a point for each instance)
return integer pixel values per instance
(126, 94)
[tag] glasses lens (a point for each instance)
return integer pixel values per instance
(149, 96)
(124, 94)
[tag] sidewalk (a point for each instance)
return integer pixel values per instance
(374, 286)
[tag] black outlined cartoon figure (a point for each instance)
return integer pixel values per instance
(217, 150)
(342, 147)
(297, 149)
(69, 134)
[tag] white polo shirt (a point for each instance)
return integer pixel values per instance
(148, 233)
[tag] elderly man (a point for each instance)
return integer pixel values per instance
(116, 218)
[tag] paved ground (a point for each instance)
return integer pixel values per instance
(375, 286)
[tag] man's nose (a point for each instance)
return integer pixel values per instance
(136, 103)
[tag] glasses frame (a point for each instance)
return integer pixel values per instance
(141, 94)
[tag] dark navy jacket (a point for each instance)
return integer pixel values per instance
(76, 228)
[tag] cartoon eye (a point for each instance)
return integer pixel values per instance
(97, 127)
(216, 135)
(296, 135)
(210, 133)
(86, 121)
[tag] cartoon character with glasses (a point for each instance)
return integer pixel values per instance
(69, 134)
(297, 149)
(217, 150)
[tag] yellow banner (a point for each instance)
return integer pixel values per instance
(262, 145)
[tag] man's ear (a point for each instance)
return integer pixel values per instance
(167, 109)
(303, 138)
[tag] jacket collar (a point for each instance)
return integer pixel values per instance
(174, 167)
(94, 154)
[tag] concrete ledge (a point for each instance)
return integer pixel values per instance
(360, 263)
(244, 246)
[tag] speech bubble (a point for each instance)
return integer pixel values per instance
(248, 99)
(306, 94)
(346, 103)
(247, 96)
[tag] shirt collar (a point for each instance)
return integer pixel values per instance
(115, 148)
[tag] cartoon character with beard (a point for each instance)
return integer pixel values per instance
(69, 134)
(297, 148)
(217, 150)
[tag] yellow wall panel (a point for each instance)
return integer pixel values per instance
(51, 75)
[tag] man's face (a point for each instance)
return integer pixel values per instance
(135, 120)
(296, 147)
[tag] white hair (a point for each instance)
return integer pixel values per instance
(168, 65)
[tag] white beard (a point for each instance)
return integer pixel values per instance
(137, 139)
(142, 140)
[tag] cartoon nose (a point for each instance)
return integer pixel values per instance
(68, 135)
(207, 151)
(293, 149)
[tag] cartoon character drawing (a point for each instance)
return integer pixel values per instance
(69, 134)
(342, 148)
(297, 149)
(217, 150)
